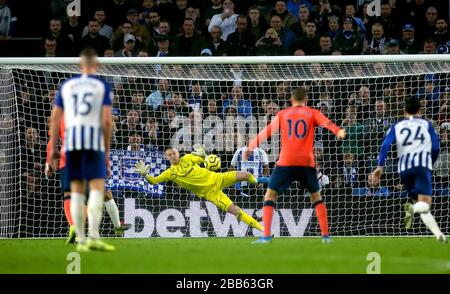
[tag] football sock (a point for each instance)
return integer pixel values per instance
(267, 217)
(252, 180)
(113, 212)
(67, 211)
(430, 222)
(421, 207)
(77, 208)
(242, 216)
(321, 213)
(95, 212)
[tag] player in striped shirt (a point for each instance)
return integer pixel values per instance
(296, 161)
(417, 149)
(84, 102)
(110, 204)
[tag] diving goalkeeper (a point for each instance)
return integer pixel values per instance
(187, 173)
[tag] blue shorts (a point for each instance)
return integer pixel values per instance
(85, 165)
(282, 177)
(65, 182)
(417, 180)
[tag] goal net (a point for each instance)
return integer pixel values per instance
(220, 103)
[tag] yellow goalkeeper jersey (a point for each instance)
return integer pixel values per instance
(188, 174)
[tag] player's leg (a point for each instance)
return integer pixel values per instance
(77, 196)
(249, 177)
(113, 212)
(279, 181)
(242, 216)
(94, 170)
(308, 176)
(423, 206)
(65, 186)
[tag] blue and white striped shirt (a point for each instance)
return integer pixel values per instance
(82, 99)
(417, 144)
(255, 163)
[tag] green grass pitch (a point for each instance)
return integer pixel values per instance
(230, 255)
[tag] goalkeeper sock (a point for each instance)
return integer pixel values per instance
(95, 212)
(67, 211)
(321, 213)
(113, 212)
(242, 216)
(268, 208)
(430, 222)
(77, 208)
(421, 207)
(252, 180)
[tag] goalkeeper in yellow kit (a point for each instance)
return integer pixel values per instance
(187, 173)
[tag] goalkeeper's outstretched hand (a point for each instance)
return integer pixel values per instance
(141, 168)
(199, 150)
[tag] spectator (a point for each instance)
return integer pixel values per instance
(64, 43)
(281, 10)
(138, 103)
(333, 27)
(8, 21)
(127, 28)
(241, 42)
(151, 21)
(128, 49)
(132, 125)
(109, 53)
(355, 131)
(258, 24)
(50, 46)
(155, 134)
(178, 14)
(326, 46)
(226, 20)
(299, 27)
(442, 165)
(427, 27)
(73, 29)
(390, 25)
(33, 151)
(139, 31)
(323, 13)
(407, 43)
(142, 53)
(215, 8)
(286, 36)
(237, 101)
(376, 44)
(194, 13)
(350, 170)
(392, 46)
(429, 46)
(269, 44)
(348, 42)
(135, 142)
(196, 99)
(375, 128)
(94, 40)
(163, 46)
(444, 111)
(156, 99)
(429, 94)
(309, 43)
(179, 104)
(104, 29)
(217, 46)
(189, 43)
(350, 11)
(441, 33)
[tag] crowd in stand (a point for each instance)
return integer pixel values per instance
(148, 112)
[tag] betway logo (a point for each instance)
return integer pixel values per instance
(173, 222)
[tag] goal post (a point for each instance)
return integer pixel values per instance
(221, 102)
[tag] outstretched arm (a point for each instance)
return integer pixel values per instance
(268, 131)
(325, 122)
(143, 169)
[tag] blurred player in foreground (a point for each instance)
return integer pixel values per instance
(187, 173)
(84, 102)
(417, 149)
(110, 204)
(296, 161)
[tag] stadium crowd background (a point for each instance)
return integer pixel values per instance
(146, 110)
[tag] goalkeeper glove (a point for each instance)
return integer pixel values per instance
(199, 150)
(141, 168)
